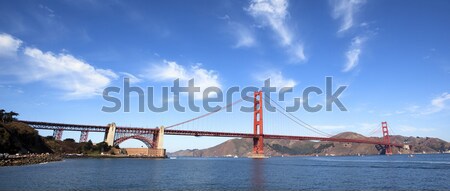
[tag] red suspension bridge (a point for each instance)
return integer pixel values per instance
(153, 137)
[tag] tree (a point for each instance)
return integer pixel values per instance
(2, 114)
(8, 116)
(69, 140)
(88, 146)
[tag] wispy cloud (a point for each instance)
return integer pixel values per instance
(50, 12)
(133, 78)
(244, 36)
(273, 13)
(353, 53)
(344, 10)
(276, 79)
(331, 127)
(412, 129)
(438, 104)
(77, 78)
(171, 70)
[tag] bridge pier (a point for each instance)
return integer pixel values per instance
(84, 136)
(110, 134)
(158, 144)
(158, 138)
(57, 134)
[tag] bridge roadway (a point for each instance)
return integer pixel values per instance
(138, 130)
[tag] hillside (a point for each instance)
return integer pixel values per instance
(243, 147)
(18, 137)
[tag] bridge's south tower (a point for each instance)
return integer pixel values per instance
(258, 139)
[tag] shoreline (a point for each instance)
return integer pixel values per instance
(30, 159)
(71, 156)
(22, 160)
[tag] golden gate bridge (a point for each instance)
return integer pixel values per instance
(153, 137)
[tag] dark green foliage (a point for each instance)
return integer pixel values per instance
(88, 146)
(324, 146)
(69, 140)
(70, 146)
(16, 137)
(7, 117)
(102, 146)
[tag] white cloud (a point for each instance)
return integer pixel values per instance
(170, 70)
(77, 78)
(352, 55)
(133, 78)
(331, 127)
(167, 71)
(273, 13)
(276, 79)
(345, 10)
(63, 71)
(438, 104)
(298, 53)
(244, 36)
(8, 45)
(411, 129)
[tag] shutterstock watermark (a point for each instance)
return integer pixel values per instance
(214, 98)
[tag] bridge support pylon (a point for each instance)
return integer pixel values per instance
(84, 136)
(258, 139)
(110, 134)
(386, 138)
(158, 144)
(158, 138)
(57, 134)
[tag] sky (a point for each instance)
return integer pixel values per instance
(57, 57)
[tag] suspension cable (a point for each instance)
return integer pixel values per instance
(205, 115)
(299, 121)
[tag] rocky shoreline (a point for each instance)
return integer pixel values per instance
(29, 159)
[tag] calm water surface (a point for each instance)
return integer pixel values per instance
(398, 172)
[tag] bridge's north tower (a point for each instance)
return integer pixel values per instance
(386, 138)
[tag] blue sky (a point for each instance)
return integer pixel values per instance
(56, 57)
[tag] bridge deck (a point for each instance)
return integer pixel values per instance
(138, 130)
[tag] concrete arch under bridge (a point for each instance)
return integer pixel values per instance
(152, 138)
(147, 141)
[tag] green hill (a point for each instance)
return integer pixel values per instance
(16, 137)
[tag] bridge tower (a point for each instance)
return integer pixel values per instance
(258, 139)
(110, 134)
(386, 138)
